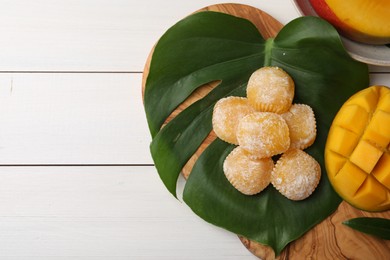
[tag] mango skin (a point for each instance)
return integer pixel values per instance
(357, 150)
(365, 21)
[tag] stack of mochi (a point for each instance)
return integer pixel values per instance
(265, 124)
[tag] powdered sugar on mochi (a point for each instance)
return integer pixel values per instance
(296, 174)
(247, 174)
(302, 124)
(226, 115)
(263, 134)
(270, 89)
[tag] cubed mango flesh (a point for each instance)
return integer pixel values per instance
(365, 156)
(338, 161)
(353, 119)
(380, 172)
(350, 178)
(357, 156)
(379, 129)
(371, 192)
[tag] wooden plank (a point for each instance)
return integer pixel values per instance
(102, 213)
(77, 118)
(72, 119)
(93, 35)
(96, 35)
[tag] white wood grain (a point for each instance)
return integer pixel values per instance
(81, 212)
(102, 213)
(90, 35)
(71, 118)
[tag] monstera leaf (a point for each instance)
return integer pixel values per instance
(214, 47)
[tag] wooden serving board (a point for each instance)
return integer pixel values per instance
(328, 240)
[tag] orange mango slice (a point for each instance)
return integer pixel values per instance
(357, 156)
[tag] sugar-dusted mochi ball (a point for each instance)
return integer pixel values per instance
(263, 134)
(270, 89)
(302, 125)
(296, 174)
(247, 174)
(226, 115)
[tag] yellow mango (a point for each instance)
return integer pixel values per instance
(365, 156)
(371, 193)
(344, 141)
(353, 119)
(357, 156)
(366, 99)
(380, 172)
(338, 161)
(379, 125)
(384, 103)
(350, 179)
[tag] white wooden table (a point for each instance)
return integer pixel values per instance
(76, 177)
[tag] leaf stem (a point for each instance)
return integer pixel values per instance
(269, 43)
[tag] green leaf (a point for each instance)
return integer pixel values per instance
(175, 72)
(193, 52)
(268, 217)
(379, 227)
(210, 46)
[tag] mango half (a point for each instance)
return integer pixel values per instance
(357, 156)
(366, 21)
